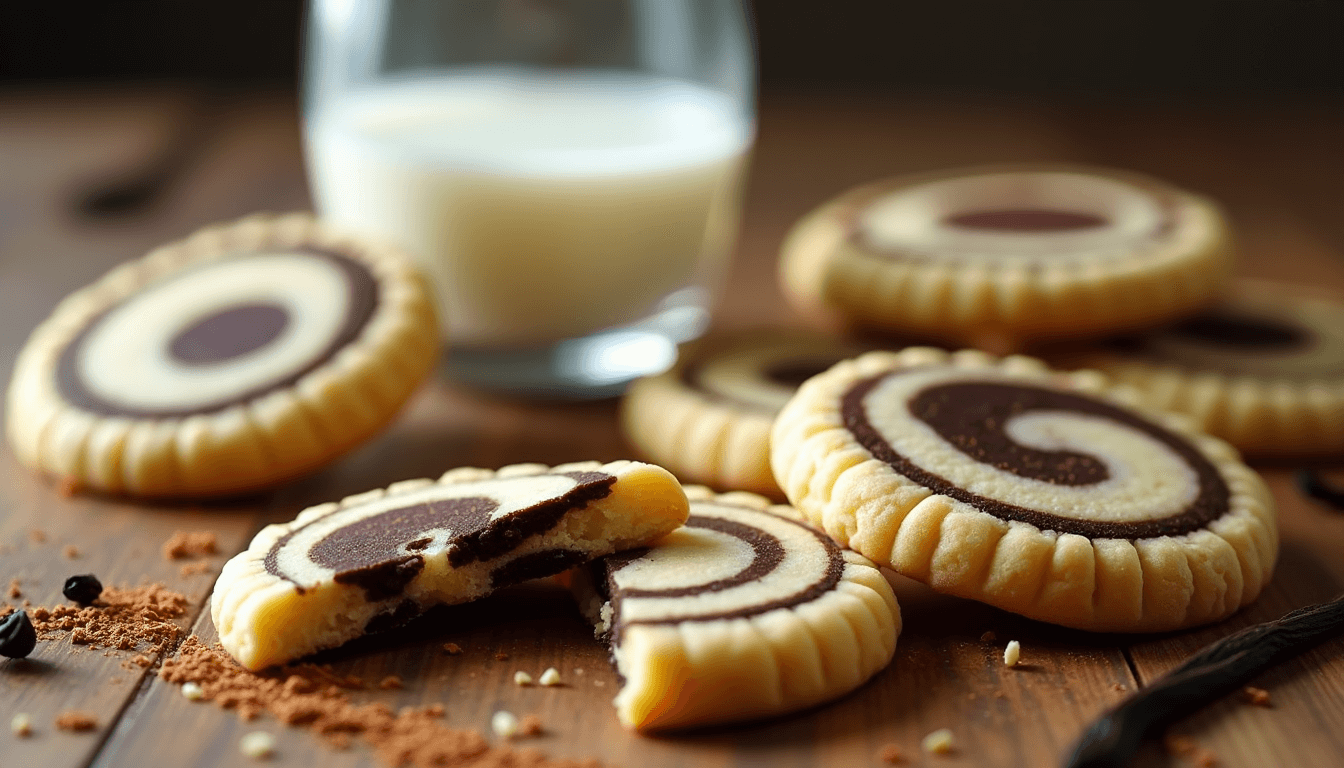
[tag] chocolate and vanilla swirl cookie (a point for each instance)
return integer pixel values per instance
(246, 354)
(1263, 370)
(743, 613)
(1053, 495)
(374, 560)
(708, 418)
(1009, 253)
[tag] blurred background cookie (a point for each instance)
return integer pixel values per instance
(998, 254)
(243, 355)
(1055, 496)
(708, 418)
(1263, 370)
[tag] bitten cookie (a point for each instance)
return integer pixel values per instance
(708, 418)
(1009, 253)
(379, 558)
(1264, 370)
(1053, 495)
(743, 613)
(243, 355)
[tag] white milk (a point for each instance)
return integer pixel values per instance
(543, 207)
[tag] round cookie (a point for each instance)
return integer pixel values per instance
(377, 559)
(243, 355)
(1263, 370)
(1056, 496)
(708, 418)
(1007, 253)
(743, 613)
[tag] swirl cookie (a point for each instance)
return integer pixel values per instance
(708, 418)
(376, 559)
(1010, 253)
(1052, 495)
(244, 355)
(1264, 370)
(743, 613)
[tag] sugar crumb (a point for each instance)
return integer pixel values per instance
(1256, 696)
(76, 721)
(504, 724)
(521, 678)
(452, 649)
(193, 691)
(1012, 653)
(257, 745)
(940, 742)
(21, 725)
(890, 754)
(550, 677)
(1119, 687)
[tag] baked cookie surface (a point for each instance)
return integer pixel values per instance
(1056, 496)
(708, 418)
(1263, 370)
(243, 355)
(743, 613)
(379, 558)
(1013, 252)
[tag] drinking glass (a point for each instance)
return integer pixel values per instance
(567, 172)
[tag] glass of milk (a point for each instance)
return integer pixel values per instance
(568, 172)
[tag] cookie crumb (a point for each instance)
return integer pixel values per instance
(257, 745)
(452, 649)
(530, 725)
(501, 656)
(989, 637)
(550, 677)
(1012, 653)
(193, 691)
(599, 683)
(390, 683)
(1256, 696)
(504, 724)
(75, 721)
(187, 544)
(578, 670)
(14, 592)
(21, 725)
(1119, 687)
(37, 536)
(194, 569)
(521, 678)
(141, 660)
(890, 754)
(70, 551)
(939, 742)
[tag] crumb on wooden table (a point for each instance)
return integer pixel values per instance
(188, 544)
(1256, 696)
(76, 721)
(1119, 687)
(14, 592)
(390, 683)
(521, 678)
(21, 725)
(257, 745)
(504, 724)
(70, 551)
(501, 656)
(452, 649)
(1012, 653)
(530, 725)
(940, 742)
(551, 677)
(890, 754)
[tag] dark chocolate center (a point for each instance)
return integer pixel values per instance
(229, 333)
(1225, 329)
(972, 416)
(767, 554)
(1025, 220)
(368, 552)
(362, 300)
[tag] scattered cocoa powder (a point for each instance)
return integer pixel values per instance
(187, 544)
(1257, 696)
(890, 754)
(305, 696)
(194, 569)
(135, 619)
(14, 592)
(72, 720)
(70, 551)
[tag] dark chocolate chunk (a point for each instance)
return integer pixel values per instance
(18, 638)
(536, 565)
(82, 589)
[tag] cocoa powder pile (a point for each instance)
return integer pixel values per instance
(314, 697)
(139, 618)
(186, 544)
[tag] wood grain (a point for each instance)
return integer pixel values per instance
(1267, 169)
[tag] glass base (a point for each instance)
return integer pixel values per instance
(592, 367)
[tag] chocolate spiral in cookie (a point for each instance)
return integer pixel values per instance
(728, 562)
(223, 332)
(1020, 450)
(382, 544)
(1017, 216)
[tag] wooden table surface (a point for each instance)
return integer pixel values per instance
(1277, 167)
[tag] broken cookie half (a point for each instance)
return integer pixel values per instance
(745, 612)
(342, 569)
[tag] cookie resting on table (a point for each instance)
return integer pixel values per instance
(375, 560)
(708, 418)
(1057, 496)
(743, 613)
(1009, 253)
(1263, 370)
(241, 356)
